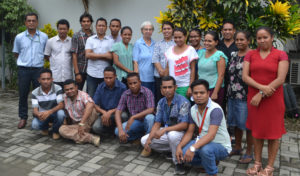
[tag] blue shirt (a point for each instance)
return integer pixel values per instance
(30, 49)
(108, 98)
(142, 54)
(176, 113)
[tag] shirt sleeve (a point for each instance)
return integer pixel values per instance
(97, 96)
(59, 96)
(248, 56)
(34, 101)
(114, 48)
(89, 44)
(149, 99)
(48, 48)
(155, 57)
(216, 117)
(74, 45)
(184, 112)
(135, 52)
(193, 55)
(122, 102)
(283, 56)
(17, 47)
(159, 112)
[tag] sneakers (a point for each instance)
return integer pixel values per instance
(145, 153)
(44, 132)
(96, 140)
(179, 169)
(136, 142)
(55, 136)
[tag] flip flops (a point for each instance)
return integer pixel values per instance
(245, 159)
(235, 152)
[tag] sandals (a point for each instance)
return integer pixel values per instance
(245, 159)
(235, 152)
(268, 171)
(255, 169)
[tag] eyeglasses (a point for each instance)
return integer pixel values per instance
(194, 36)
(147, 29)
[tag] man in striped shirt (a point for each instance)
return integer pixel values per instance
(47, 103)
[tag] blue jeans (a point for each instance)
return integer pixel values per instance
(26, 77)
(138, 128)
(207, 156)
(56, 118)
(150, 86)
(92, 84)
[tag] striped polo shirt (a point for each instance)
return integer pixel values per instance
(44, 101)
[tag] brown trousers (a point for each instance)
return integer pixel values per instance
(71, 131)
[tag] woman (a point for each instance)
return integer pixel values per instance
(195, 39)
(211, 66)
(122, 55)
(237, 97)
(181, 60)
(142, 56)
(264, 71)
(159, 56)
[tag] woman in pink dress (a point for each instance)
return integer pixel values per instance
(264, 71)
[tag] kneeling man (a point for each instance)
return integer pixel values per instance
(80, 108)
(171, 121)
(212, 142)
(47, 103)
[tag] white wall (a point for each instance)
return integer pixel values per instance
(131, 12)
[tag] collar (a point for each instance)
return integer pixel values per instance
(83, 33)
(143, 42)
(223, 43)
(41, 92)
(208, 104)
(258, 49)
(37, 32)
(58, 39)
(173, 100)
(142, 91)
(117, 84)
(104, 38)
(163, 40)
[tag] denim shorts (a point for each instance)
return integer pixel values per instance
(237, 113)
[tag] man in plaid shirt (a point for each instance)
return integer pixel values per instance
(78, 49)
(140, 103)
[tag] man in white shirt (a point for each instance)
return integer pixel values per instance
(97, 51)
(58, 51)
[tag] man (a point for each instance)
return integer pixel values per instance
(78, 49)
(28, 48)
(208, 123)
(227, 45)
(80, 108)
(106, 100)
(97, 50)
(58, 49)
(171, 121)
(140, 103)
(115, 27)
(47, 103)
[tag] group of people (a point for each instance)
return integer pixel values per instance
(168, 95)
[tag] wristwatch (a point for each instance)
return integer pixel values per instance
(261, 92)
(192, 149)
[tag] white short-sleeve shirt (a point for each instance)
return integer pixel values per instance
(60, 58)
(95, 68)
(179, 65)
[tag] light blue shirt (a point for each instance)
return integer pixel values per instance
(96, 67)
(142, 54)
(30, 49)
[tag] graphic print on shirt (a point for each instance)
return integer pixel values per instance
(181, 66)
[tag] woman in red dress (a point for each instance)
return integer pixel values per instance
(264, 71)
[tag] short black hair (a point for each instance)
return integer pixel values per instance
(45, 70)
(32, 14)
(167, 23)
(246, 33)
(168, 78)
(63, 21)
(133, 74)
(228, 21)
(126, 27)
(110, 69)
(266, 28)
(101, 19)
(86, 15)
(200, 82)
(69, 81)
(197, 30)
(115, 19)
(180, 29)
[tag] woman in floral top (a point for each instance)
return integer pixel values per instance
(237, 96)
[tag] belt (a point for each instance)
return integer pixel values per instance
(29, 68)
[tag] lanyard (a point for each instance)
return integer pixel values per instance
(201, 126)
